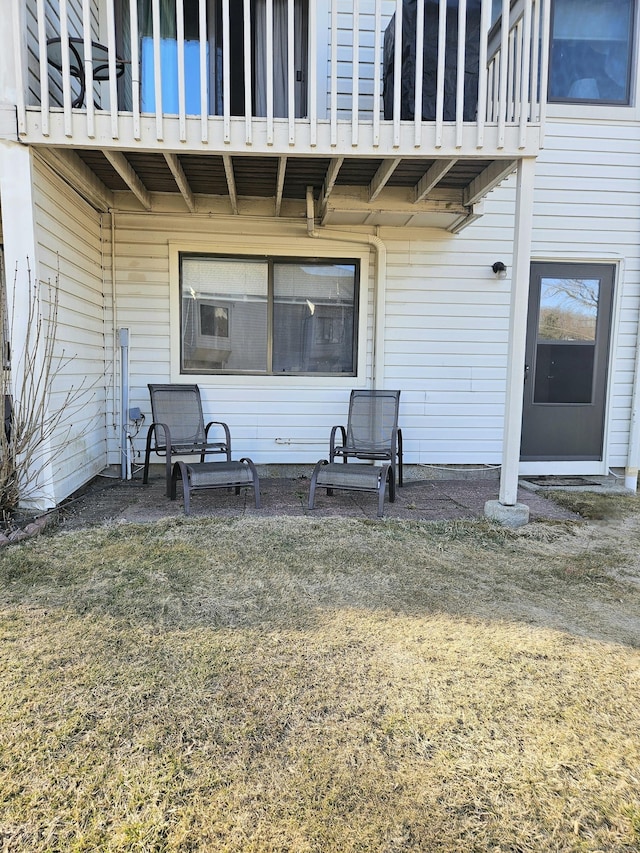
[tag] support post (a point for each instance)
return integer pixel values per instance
(508, 497)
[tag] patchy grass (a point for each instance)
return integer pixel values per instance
(274, 685)
(596, 506)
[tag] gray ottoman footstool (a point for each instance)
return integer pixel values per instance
(353, 476)
(214, 475)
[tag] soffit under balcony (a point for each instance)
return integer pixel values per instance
(420, 192)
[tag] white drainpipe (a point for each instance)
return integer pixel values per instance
(380, 286)
(125, 456)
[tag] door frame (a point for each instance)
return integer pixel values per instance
(586, 467)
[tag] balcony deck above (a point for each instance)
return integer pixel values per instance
(390, 110)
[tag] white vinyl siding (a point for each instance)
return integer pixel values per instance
(587, 208)
(69, 251)
(447, 314)
(296, 409)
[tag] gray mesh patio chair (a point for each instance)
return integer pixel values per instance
(178, 428)
(372, 430)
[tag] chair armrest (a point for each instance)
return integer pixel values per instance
(153, 429)
(227, 434)
(332, 440)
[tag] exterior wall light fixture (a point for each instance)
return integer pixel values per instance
(500, 269)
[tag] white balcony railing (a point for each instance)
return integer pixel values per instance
(283, 69)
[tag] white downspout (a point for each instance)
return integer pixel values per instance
(125, 456)
(380, 294)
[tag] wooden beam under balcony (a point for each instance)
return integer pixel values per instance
(432, 178)
(124, 169)
(381, 177)
(231, 182)
(488, 180)
(180, 178)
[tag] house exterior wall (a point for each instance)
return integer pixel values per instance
(69, 247)
(446, 314)
(258, 409)
(445, 344)
(587, 208)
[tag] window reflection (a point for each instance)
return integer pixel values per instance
(591, 44)
(568, 309)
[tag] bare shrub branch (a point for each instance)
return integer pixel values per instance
(27, 376)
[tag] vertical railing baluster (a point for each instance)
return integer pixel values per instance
(442, 43)
(204, 70)
(182, 120)
(483, 71)
(504, 68)
(312, 76)
(88, 67)
(535, 59)
(248, 106)
(226, 72)
(509, 113)
(377, 72)
(135, 68)
(334, 73)
(66, 72)
(19, 59)
(269, 55)
(397, 75)
(544, 62)
(291, 73)
(417, 108)
(355, 74)
(462, 43)
(44, 67)
(525, 105)
(519, 56)
(157, 70)
(113, 79)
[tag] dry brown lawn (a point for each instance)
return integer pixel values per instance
(272, 685)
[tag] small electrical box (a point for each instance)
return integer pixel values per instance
(135, 414)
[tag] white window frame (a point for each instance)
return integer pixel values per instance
(607, 112)
(273, 246)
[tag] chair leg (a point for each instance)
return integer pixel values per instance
(400, 480)
(180, 471)
(167, 473)
(147, 454)
(386, 473)
(256, 480)
(312, 487)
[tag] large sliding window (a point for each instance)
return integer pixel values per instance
(268, 315)
(591, 51)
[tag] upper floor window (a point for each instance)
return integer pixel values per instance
(268, 315)
(591, 51)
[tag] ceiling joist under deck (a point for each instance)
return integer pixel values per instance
(181, 180)
(129, 176)
(409, 192)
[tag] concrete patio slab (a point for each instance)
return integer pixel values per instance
(107, 498)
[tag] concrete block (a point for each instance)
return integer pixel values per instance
(508, 516)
